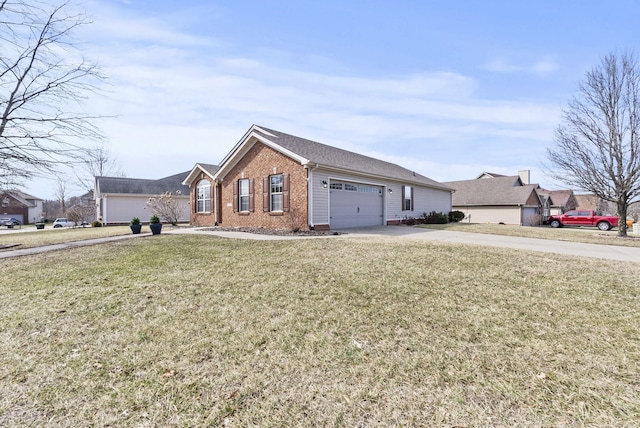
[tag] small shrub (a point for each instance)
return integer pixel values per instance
(434, 218)
(154, 219)
(410, 221)
(135, 220)
(96, 223)
(456, 216)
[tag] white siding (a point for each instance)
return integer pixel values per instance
(425, 199)
(122, 208)
(35, 213)
(506, 215)
(319, 199)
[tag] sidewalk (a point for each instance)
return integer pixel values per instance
(607, 252)
(66, 245)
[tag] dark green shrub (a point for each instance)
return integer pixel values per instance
(410, 221)
(456, 216)
(96, 223)
(434, 218)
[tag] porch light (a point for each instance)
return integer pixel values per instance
(390, 190)
(324, 184)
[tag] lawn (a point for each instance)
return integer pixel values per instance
(589, 235)
(184, 330)
(49, 236)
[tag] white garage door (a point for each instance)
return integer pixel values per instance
(354, 205)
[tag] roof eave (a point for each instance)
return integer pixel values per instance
(384, 177)
(194, 172)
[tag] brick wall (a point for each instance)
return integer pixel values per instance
(259, 162)
(10, 206)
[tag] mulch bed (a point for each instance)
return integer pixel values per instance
(276, 232)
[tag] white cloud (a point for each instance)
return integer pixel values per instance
(182, 99)
(540, 67)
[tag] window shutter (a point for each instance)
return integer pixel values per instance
(413, 190)
(251, 198)
(235, 196)
(402, 196)
(285, 192)
(265, 194)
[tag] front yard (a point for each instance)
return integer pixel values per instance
(588, 235)
(183, 330)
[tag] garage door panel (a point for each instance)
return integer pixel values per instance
(356, 208)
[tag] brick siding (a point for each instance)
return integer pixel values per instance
(13, 207)
(259, 162)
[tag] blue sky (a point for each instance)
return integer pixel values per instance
(447, 88)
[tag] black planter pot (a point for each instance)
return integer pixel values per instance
(135, 228)
(156, 228)
(39, 225)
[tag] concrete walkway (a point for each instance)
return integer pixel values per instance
(66, 245)
(607, 252)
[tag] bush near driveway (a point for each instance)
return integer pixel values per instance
(202, 331)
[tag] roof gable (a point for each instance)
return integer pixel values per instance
(21, 197)
(502, 191)
(208, 169)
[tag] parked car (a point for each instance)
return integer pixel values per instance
(63, 222)
(9, 222)
(583, 218)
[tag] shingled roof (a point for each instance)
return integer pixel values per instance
(495, 191)
(328, 156)
(141, 186)
(559, 198)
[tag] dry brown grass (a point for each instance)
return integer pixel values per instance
(29, 237)
(589, 235)
(202, 331)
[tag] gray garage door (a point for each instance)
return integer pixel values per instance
(16, 216)
(355, 205)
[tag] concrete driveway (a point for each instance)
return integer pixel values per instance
(608, 252)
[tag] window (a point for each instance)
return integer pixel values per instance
(275, 192)
(350, 187)
(407, 198)
(336, 186)
(243, 194)
(203, 196)
(369, 189)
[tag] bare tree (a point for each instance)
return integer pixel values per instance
(81, 214)
(97, 162)
(43, 83)
(167, 207)
(61, 194)
(598, 143)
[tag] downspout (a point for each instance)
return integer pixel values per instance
(310, 196)
(104, 211)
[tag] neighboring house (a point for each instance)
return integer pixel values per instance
(589, 201)
(556, 202)
(21, 206)
(275, 180)
(494, 198)
(119, 199)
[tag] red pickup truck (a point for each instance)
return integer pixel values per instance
(583, 218)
